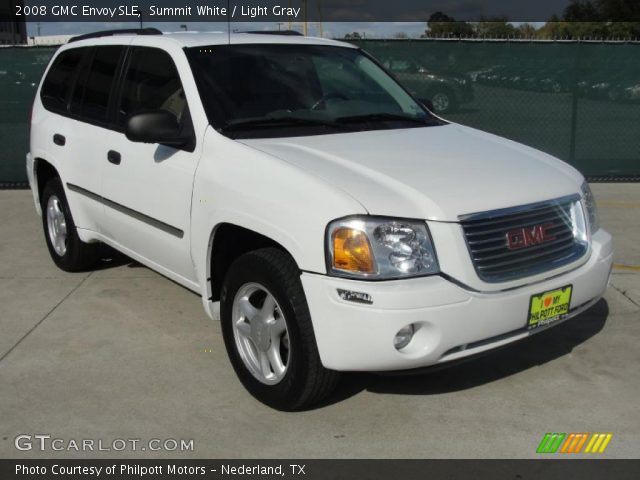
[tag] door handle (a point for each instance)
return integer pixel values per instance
(114, 157)
(59, 139)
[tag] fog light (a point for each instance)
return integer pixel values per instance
(403, 337)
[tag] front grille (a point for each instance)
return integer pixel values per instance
(487, 233)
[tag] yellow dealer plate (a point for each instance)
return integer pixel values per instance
(548, 307)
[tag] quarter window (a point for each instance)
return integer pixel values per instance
(57, 86)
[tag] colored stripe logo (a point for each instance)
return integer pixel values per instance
(574, 442)
(550, 442)
(598, 443)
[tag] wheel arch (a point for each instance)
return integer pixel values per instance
(227, 242)
(43, 172)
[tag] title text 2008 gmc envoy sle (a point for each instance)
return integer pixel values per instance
(341, 225)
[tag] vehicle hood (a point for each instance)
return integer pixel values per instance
(434, 173)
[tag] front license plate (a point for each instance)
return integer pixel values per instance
(549, 307)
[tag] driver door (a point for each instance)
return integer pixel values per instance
(147, 188)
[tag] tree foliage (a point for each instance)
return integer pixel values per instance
(353, 36)
(595, 19)
(442, 25)
(497, 27)
(581, 19)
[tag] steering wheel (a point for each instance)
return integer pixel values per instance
(326, 97)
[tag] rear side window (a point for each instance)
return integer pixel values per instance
(57, 85)
(151, 83)
(91, 95)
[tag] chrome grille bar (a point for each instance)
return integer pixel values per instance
(516, 217)
(495, 260)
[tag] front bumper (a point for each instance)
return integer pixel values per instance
(453, 322)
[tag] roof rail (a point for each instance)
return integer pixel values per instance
(109, 33)
(292, 33)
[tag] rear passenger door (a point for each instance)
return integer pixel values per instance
(147, 188)
(89, 127)
(79, 88)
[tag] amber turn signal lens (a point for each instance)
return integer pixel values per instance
(352, 251)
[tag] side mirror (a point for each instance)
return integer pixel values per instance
(427, 103)
(158, 126)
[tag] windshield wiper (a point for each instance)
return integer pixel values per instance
(383, 117)
(279, 122)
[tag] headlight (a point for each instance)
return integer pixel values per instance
(379, 248)
(590, 207)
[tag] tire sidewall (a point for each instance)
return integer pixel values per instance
(283, 395)
(67, 261)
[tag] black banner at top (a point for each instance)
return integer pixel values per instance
(284, 10)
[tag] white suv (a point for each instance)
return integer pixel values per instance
(340, 224)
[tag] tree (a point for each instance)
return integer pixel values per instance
(496, 27)
(624, 29)
(526, 30)
(353, 36)
(442, 25)
(581, 11)
(595, 19)
(618, 10)
(555, 29)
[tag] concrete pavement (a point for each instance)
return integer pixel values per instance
(123, 353)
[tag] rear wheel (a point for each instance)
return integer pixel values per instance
(65, 247)
(268, 332)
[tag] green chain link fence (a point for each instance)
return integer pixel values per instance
(579, 101)
(20, 71)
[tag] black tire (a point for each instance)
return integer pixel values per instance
(78, 256)
(306, 381)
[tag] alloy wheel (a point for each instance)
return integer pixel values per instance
(260, 333)
(56, 225)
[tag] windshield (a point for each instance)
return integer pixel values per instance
(278, 90)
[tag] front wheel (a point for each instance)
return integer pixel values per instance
(268, 332)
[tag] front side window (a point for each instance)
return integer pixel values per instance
(57, 85)
(151, 83)
(257, 90)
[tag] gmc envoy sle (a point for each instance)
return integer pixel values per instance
(339, 223)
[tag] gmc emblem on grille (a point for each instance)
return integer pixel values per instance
(529, 236)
